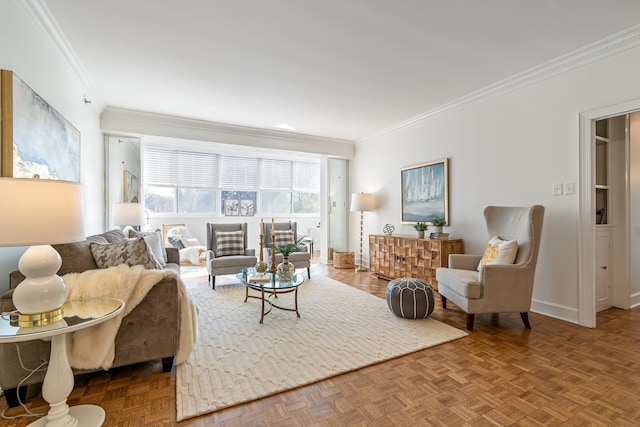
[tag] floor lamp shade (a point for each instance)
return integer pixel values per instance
(38, 213)
(128, 214)
(361, 202)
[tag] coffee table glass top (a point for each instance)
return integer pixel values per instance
(273, 283)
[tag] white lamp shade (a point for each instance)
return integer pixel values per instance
(128, 214)
(40, 212)
(361, 202)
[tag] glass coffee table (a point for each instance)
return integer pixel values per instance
(270, 288)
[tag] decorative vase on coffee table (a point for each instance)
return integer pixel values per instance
(285, 270)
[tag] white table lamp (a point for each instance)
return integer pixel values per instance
(362, 202)
(40, 212)
(131, 214)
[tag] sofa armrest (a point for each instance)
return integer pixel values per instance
(15, 277)
(250, 252)
(173, 255)
(464, 261)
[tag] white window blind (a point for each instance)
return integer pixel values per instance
(180, 168)
(275, 174)
(306, 177)
(239, 173)
(160, 167)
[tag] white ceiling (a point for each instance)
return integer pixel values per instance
(335, 68)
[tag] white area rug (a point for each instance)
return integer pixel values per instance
(340, 329)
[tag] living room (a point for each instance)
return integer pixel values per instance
(507, 145)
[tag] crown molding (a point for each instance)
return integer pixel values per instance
(609, 46)
(40, 16)
(134, 122)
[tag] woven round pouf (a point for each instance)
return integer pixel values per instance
(410, 298)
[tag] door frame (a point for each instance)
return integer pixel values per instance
(587, 206)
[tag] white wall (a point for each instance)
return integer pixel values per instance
(29, 53)
(634, 208)
(505, 149)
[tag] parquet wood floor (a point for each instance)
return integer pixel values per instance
(556, 374)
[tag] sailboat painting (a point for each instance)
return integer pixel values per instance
(425, 192)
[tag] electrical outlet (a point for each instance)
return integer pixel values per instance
(569, 188)
(556, 189)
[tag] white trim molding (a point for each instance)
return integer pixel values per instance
(133, 122)
(609, 46)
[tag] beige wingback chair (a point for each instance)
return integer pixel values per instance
(496, 288)
(219, 264)
(300, 259)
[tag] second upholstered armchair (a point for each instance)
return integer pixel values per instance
(227, 250)
(501, 280)
(287, 232)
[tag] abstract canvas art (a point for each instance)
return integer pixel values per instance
(36, 139)
(425, 192)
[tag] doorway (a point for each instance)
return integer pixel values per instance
(621, 198)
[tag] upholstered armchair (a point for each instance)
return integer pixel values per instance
(287, 232)
(227, 250)
(496, 282)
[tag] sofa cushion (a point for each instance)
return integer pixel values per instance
(229, 243)
(499, 251)
(113, 236)
(462, 282)
(76, 256)
(154, 240)
(130, 252)
(284, 237)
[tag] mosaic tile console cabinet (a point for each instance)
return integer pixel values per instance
(391, 257)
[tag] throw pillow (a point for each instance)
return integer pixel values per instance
(175, 242)
(154, 239)
(229, 243)
(284, 237)
(130, 252)
(189, 242)
(499, 251)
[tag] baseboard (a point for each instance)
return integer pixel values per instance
(568, 314)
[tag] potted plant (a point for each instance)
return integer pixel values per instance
(438, 222)
(285, 269)
(420, 228)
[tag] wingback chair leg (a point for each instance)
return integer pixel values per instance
(309, 273)
(444, 302)
(470, 319)
(525, 320)
(213, 282)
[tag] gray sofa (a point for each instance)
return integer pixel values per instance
(149, 332)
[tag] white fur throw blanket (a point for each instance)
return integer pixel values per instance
(94, 347)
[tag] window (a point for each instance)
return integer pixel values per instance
(204, 183)
(180, 181)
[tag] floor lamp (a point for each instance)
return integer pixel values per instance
(362, 202)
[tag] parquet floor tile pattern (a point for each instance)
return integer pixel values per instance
(556, 374)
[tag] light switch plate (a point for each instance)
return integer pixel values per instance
(569, 188)
(556, 189)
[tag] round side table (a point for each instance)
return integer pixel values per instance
(58, 381)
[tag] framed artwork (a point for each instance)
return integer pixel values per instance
(239, 203)
(231, 207)
(425, 192)
(130, 187)
(35, 139)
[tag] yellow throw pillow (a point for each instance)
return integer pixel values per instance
(499, 251)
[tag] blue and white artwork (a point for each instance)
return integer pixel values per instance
(44, 142)
(239, 203)
(425, 192)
